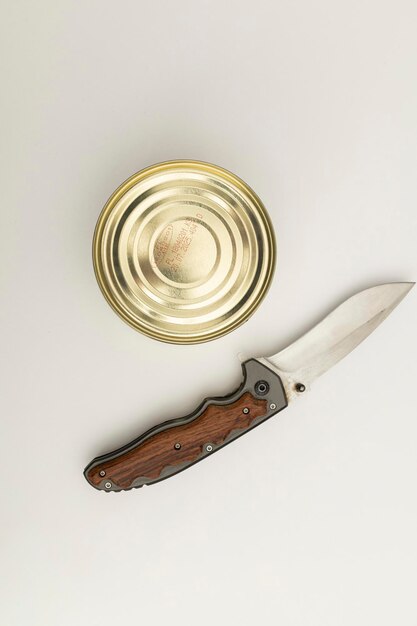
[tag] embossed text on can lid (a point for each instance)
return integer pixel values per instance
(184, 251)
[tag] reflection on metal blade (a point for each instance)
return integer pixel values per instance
(335, 336)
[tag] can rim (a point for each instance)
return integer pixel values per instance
(135, 323)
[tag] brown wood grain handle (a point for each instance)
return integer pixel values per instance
(179, 443)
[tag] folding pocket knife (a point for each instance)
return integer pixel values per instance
(269, 384)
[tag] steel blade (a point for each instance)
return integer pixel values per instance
(335, 336)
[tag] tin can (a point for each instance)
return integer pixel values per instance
(184, 251)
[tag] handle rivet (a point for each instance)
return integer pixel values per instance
(209, 447)
(102, 473)
(300, 387)
(245, 410)
(272, 406)
(177, 446)
(107, 485)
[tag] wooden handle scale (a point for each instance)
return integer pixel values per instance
(179, 443)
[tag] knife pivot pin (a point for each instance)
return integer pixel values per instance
(300, 387)
(261, 387)
(177, 446)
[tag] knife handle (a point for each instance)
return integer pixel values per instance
(179, 443)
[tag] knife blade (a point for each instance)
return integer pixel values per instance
(269, 383)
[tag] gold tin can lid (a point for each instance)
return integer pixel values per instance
(184, 251)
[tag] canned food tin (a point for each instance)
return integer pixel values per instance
(184, 251)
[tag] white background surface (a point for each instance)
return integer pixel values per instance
(310, 519)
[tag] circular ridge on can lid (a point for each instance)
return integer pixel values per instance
(184, 251)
